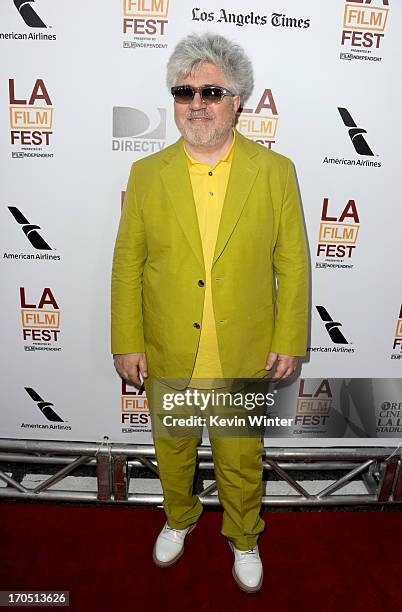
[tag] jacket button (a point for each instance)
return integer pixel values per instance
(201, 283)
(197, 325)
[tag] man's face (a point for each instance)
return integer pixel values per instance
(199, 123)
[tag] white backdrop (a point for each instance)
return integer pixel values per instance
(83, 95)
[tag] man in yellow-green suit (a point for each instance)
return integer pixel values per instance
(209, 283)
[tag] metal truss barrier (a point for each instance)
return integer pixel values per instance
(378, 468)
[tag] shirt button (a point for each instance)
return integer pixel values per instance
(201, 283)
(209, 173)
(210, 193)
(197, 325)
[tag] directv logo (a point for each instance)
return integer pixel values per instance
(134, 130)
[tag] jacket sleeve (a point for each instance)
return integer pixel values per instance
(130, 253)
(291, 266)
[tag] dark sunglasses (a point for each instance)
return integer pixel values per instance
(184, 94)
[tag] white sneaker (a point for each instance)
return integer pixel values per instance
(169, 545)
(247, 569)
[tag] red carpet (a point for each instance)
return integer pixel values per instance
(314, 561)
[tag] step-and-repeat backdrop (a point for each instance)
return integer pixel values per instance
(83, 95)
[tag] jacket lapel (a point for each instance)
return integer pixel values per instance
(176, 179)
(241, 179)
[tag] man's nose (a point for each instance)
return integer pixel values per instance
(197, 102)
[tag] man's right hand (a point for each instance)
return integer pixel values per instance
(130, 365)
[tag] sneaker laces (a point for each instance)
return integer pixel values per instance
(252, 551)
(173, 529)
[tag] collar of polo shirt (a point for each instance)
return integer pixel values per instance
(224, 159)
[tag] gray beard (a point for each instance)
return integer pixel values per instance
(214, 136)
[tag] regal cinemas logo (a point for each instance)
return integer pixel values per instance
(40, 321)
(389, 417)
(337, 239)
(363, 31)
(397, 344)
(134, 409)
(145, 23)
(136, 131)
(260, 124)
(31, 120)
(313, 405)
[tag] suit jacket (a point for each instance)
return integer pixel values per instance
(259, 277)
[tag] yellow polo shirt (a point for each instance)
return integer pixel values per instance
(209, 189)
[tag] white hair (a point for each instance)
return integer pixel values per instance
(214, 49)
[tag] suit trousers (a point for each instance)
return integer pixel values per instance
(237, 464)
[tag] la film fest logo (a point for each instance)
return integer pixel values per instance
(48, 413)
(145, 23)
(134, 409)
(337, 239)
(260, 124)
(313, 406)
(31, 120)
(40, 321)
(339, 343)
(358, 141)
(225, 16)
(397, 342)
(363, 29)
(136, 131)
(32, 235)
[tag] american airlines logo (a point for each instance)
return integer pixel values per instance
(45, 407)
(332, 326)
(355, 133)
(29, 14)
(30, 230)
(360, 145)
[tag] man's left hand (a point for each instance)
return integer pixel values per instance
(285, 365)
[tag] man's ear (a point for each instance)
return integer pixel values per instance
(236, 103)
